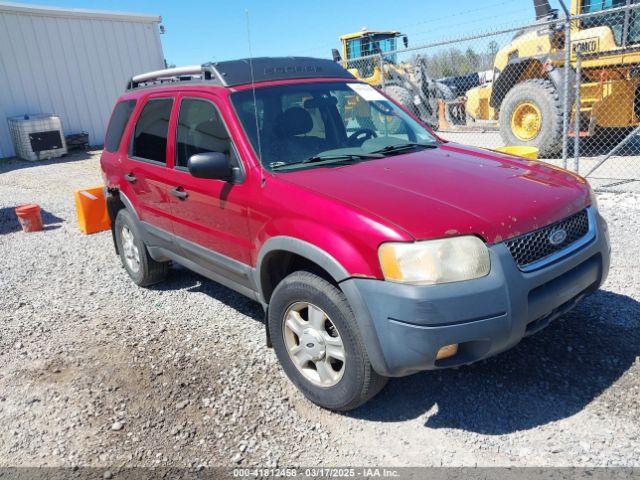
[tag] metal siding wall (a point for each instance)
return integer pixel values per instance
(72, 67)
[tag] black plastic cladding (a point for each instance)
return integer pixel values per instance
(535, 246)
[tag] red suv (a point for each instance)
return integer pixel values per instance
(376, 248)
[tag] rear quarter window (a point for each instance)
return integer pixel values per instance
(117, 124)
(151, 131)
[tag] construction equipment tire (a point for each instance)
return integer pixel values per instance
(531, 115)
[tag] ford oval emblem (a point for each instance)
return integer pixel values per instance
(557, 237)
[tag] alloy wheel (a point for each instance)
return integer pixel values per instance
(130, 249)
(314, 344)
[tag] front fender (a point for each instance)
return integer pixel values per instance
(345, 253)
(510, 76)
(304, 249)
(340, 274)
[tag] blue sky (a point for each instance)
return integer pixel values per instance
(203, 30)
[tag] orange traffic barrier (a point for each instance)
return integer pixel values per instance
(29, 217)
(92, 210)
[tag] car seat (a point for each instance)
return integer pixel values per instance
(289, 141)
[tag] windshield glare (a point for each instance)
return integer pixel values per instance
(296, 123)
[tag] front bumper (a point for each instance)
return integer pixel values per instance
(404, 326)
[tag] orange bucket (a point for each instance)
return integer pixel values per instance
(29, 217)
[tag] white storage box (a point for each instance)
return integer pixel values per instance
(37, 137)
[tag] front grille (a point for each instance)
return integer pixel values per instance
(534, 246)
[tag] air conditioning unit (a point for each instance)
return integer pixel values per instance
(37, 137)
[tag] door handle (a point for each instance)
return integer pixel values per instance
(130, 177)
(179, 192)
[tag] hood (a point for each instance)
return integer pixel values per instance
(453, 190)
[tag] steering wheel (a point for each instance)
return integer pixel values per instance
(361, 135)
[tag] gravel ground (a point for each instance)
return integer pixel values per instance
(96, 371)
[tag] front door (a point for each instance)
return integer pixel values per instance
(210, 216)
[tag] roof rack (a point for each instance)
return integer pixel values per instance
(239, 72)
(172, 75)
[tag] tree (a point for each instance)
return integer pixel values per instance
(473, 59)
(493, 48)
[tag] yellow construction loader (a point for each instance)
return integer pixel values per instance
(406, 82)
(366, 43)
(526, 95)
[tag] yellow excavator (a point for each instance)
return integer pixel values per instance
(525, 97)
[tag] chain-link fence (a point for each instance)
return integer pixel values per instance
(512, 87)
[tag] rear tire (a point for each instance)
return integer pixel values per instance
(543, 96)
(350, 382)
(142, 269)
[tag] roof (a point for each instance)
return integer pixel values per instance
(244, 71)
(238, 72)
(24, 9)
(368, 33)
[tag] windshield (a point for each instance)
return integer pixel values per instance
(371, 45)
(312, 124)
(613, 20)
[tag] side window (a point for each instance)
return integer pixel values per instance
(117, 124)
(200, 129)
(633, 35)
(150, 136)
(590, 6)
(353, 48)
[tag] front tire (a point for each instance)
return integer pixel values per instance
(142, 269)
(531, 115)
(402, 96)
(405, 98)
(317, 341)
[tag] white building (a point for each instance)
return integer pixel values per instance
(72, 63)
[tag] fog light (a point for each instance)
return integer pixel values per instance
(447, 351)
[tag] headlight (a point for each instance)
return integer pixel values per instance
(435, 261)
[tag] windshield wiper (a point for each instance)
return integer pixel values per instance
(404, 146)
(344, 156)
(328, 159)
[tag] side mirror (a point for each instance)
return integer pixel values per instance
(336, 55)
(214, 165)
(405, 41)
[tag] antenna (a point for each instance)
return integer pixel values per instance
(255, 103)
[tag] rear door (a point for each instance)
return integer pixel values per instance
(146, 167)
(210, 216)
